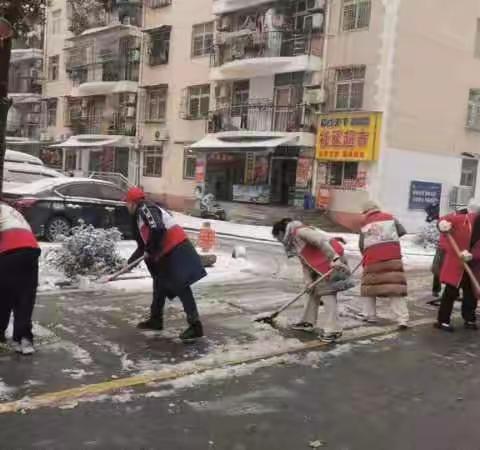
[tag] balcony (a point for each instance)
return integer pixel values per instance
(27, 85)
(118, 125)
(247, 54)
(261, 116)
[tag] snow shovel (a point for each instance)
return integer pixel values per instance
(126, 269)
(467, 268)
(271, 317)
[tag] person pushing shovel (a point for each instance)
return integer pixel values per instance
(320, 256)
(460, 268)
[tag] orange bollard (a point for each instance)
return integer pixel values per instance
(207, 238)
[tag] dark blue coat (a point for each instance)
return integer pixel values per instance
(178, 269)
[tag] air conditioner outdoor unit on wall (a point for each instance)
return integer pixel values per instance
(161, 135)
(460, 196)
(319, 4)
(315, 96)
(132, 99)
(131, 110)
(45, 137)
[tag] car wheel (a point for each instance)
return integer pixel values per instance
(58, 226)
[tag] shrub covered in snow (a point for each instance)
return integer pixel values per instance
(429, 236)
(88, 251)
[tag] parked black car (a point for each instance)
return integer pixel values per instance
(54, 206)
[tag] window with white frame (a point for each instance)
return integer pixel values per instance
(56, 22)
(356, 14)
(160, 46)
(349, 87)
(157, 104)
(153, 161)
(53, 68)
(189, 164)
(473, 118)
(198, 101)
(202, 39)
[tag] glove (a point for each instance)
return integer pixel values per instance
(466, 256)
(444, 226)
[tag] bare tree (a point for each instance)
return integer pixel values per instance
(21, 15)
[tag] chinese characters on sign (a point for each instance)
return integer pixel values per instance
(349, 137)
(423, 194)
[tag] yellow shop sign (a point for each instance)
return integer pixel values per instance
(349, 136)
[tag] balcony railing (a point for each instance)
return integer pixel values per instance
(262, 116)
(19, 84)
(245, 44)
(97, 124)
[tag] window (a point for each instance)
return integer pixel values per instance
(53, 67)
(473, 119)
(469, 173)
(52, 112)
(84, 190)
(157, 104)
(198, 101)
(202, 39)
(349, 87)
(56, 22)
(189, 164)
(356, 14)
(108, 192)
(152, 161)
(70, 160)
(240, 96)
(340, 173)
(160, 47)
(159, 3)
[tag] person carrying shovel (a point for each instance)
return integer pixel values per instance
(320, 257)
(461, 243)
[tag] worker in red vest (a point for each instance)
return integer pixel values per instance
(19, 253)
(318, 254)
(171, 259)
(383, 273)
(465, 230)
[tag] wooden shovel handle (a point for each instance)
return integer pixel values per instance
(467, 268)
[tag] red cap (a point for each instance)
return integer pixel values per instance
(135, 195)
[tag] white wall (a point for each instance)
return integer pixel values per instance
(400, 167)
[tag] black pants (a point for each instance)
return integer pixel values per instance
(160, 294)
(18, 291)
(469, 303)
(436, 285)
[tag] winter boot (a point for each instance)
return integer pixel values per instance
(193, 332)
(471, 326)
(152, 323)
(303, 326)
(25, 347)
(444, 327)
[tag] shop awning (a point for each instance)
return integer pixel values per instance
(95, 140)
(243, 141)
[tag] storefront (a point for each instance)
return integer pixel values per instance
(262, 170)
(348, 144)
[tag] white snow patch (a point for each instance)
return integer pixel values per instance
(6, 392)
(77, 374)
(75, 351)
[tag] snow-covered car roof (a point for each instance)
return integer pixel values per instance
(20, 157)
(50, 183)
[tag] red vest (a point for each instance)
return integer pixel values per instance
(380, 238)
(15, 232)
(452, 268)
(315, 258)
(175, 234)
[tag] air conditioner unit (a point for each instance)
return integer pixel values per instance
(315, 96)
(224, 91)
(460, 196)
(131, 110)
(319, 4)
(45, 137)
(161, 135)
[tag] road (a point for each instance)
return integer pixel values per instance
(97, 382)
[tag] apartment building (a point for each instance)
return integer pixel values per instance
(401, 107)
(92, 75)
(25, 91)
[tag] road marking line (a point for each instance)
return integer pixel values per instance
(56, 398)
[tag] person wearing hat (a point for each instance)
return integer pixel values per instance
(171, 259)
(465, 230)
(383, 273)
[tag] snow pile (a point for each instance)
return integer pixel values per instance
(88, 251)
